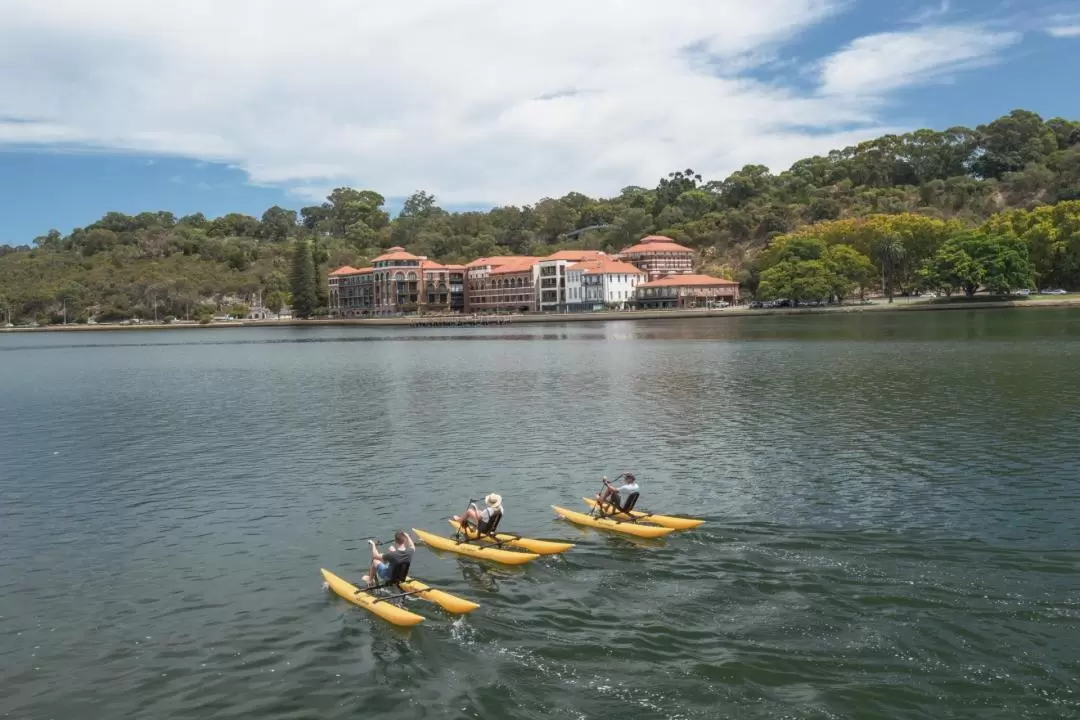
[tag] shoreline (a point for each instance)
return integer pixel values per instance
(496, 321)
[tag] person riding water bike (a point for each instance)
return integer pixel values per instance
(617, 496)
(383, 564)
(482, 520)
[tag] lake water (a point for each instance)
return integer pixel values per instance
(892, 503)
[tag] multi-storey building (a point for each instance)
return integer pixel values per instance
(501, 284)
(397, 282)
(606, 282)
(559, 281)
(505, 284)
(659, 256)
(444, 287)
(685, 291)
(351, 292)
(570, 280)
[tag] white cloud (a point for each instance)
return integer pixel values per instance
(932, 12)
(476, 100)
(1064, 31)
(876, 64)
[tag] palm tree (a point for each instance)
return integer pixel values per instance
(890, 257)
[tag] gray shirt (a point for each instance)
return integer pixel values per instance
(397, 555)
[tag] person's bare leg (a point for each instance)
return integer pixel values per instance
(372, 576)
(470, 514)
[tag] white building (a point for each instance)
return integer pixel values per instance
(608, 283)
(558, 280)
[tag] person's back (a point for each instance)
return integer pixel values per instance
(384, 565)
(488, 519)
(398, 553)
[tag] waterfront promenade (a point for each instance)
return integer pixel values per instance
(878, 305)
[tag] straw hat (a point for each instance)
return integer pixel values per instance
(494, 501)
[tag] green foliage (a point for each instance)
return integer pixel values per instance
(895, 201)
(971, 260)
(806, 268)
(851, 270)
(304, 293)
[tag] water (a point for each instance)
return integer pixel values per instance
(892, 503)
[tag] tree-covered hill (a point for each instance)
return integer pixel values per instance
(933, 185)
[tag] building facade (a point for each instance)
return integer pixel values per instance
(397, 282)
(659, 256)
(501, 284)
(559, 287)
(685, 291)
(444, 287)
(608, 283)
(351, 292)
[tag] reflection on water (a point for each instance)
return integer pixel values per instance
(891, 505)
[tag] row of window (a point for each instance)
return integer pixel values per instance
(490, 300)
(398, 277)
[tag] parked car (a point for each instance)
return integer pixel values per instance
(1055, 291)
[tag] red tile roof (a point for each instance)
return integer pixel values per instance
(655, 243)
(517, 265)
(687, 281)
(576, 255)
(607, 266)
(349, 270)
(493, 261)
(395, 253)
(344, 270)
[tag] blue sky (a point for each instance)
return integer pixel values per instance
(199, 107)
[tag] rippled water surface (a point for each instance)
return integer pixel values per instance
(892, 504)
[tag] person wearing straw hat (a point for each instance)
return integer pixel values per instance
(483, 520)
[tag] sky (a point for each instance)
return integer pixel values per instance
(219, 106)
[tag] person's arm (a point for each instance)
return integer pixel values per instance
(375, 554)
(409, 542)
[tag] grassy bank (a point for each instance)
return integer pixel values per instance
(901, 305)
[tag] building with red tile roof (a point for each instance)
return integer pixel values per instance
(350, 291)
(501, 284)
(607, 282)
(658, 255)
(576, 255)
(396, 257)
(397, 282)
(685, 291)
(655, 273)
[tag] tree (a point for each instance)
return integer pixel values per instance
(304, 292)
(951, 268)
(420, 204)
(1009, 143)
(974, 259)
(895, 200)
(851, 270)
(798, 280)
(674, 185)
(278, 223)
(275, 300)
(1053, 235)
